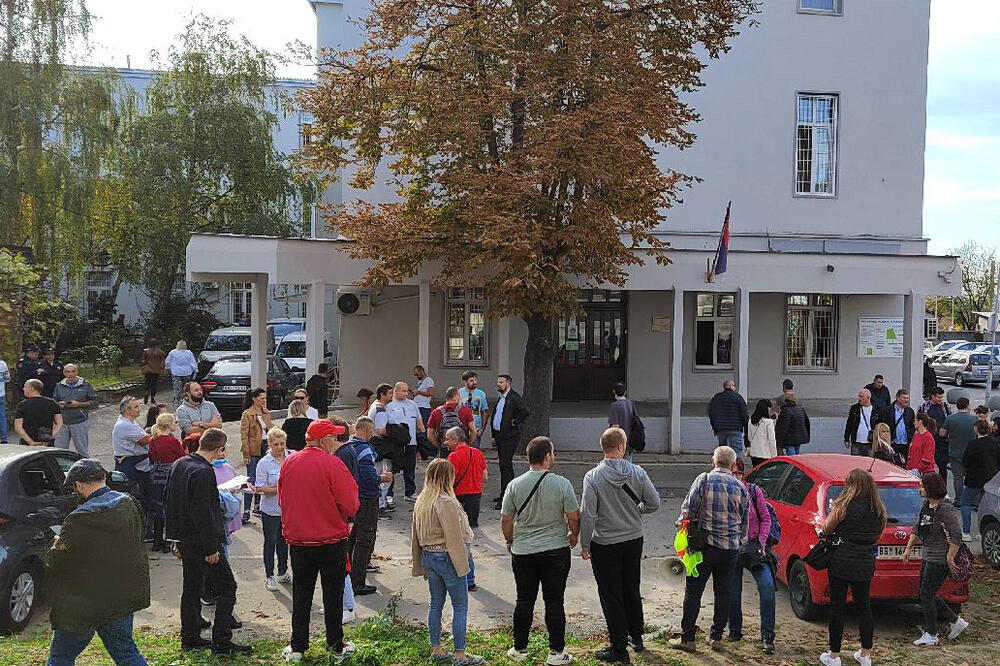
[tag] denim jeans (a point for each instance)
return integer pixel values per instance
(792, 449)
(970, 502)
(733, 439)
(718, 564)
(178, 383)
(248, 498)
(932, 575)
(78, 433)
(116, 636)
(3, 418)
(273, 542)
(348, 593)
(765, 590)
(443, 580)
(958, 479)
(409, 472)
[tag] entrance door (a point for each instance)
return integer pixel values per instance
(591, 348)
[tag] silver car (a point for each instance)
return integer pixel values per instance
(966, 367)
(989, 521)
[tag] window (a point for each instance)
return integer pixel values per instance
(816, 145)
(769, 477)
(713, 330)
(811, 332)
(930, 329)
(38, 480)
(797, 486)
(99, 286)
(821, 7)
(465, 326)
(240, 299)
(902, 503)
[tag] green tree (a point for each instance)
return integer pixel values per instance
(979, 263)
(520, 138)
(196, 154)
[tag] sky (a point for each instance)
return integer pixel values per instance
(962, 180)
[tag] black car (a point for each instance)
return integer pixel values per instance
(32, 502)
(228, 381)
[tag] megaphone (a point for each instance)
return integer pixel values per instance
(672, 570)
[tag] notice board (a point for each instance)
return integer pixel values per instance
(880, 337)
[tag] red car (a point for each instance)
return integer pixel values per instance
(802, 489)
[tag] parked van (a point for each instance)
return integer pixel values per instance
(292, 349)
(234, 340)
(282, 326)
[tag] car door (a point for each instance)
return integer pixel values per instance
(66, 498)
(798, 519)
(941, 366)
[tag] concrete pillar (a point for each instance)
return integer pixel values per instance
(503, 346)
(743, 343)
(676, 366)
(258, 332)
(424, 326)
(315, 317)
(913, 345)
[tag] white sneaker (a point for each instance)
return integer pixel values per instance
(349, 616)
(291, 657)
(517, 655)
(285, 577)
(558, 658)
(862, 659)
(270, 583)
(967, 538)
(926, 640)
(957, 627)
(339, 657)
(827, 660)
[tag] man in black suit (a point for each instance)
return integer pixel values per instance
(508, 416)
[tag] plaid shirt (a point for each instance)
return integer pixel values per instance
(725, 516)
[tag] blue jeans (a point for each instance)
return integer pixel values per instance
(443, 580)
(731, 438)
(116, 636)
(970, 502)
(273, 541)
(765, 590)
(252, 477)
(348, 593)
(3, 418)
(792, 449)
(471, 578)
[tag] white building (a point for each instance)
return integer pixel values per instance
(813, 125)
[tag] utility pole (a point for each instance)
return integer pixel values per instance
(993, 330)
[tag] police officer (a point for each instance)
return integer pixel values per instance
(28, 367)
(51, 372)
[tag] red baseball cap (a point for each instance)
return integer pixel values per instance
(321, 428)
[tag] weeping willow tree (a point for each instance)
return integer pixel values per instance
(57, 124)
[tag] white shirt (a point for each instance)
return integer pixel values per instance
(404, 411)
(423, 401)
(4, 378)
(311, 412)
(864, 424)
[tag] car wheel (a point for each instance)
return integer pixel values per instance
(800, 593)
(959, 379)
(990, 533)
(21, 594)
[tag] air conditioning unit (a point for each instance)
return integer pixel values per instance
(354, 302)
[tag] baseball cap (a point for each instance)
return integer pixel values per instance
(321, 428)
(85, 470)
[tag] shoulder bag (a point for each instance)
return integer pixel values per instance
(822, 553)
(697, 536)
(518, 510)
(637, 433)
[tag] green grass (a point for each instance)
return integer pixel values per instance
(126, 373)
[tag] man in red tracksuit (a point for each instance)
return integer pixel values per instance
(318, 496)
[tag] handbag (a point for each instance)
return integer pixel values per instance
(697, 536)
(638, 433)
(822, 553)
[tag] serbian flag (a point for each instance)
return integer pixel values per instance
(722, 254)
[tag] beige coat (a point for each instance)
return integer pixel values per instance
(450, 527)
(250, 432)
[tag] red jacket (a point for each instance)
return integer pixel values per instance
(317, 496)
(921, 454)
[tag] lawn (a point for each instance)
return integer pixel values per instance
(97, 379)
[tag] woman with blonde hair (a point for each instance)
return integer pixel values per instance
(164, 449)
(440, 539)
(855, 522)
(295, 425)
(882, 445)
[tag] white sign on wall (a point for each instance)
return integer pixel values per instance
(880, 337)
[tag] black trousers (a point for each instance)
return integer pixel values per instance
(617, 572)
(365, 529)
(329, 563)
(861, 593)
(943, 460)
(506, 449)
(720, 565)
(219, 577)
(151, 382)
(550, 569)
(471, 505)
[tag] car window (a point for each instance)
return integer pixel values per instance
(231, 369)
(902, 503)
(64, 461)
(281, 330)
(292, 349)
(227, 343)
(796, 487)
(769, 476)
(38, 480)
(280, 366)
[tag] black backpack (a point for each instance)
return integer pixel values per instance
(449, 419)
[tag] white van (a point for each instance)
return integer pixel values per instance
(292, 349)
(230, 341)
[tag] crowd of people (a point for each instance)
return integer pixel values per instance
(319, 486)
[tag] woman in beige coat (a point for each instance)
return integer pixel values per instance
(440, 539)
(254, 424)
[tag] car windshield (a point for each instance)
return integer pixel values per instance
(227, 342)
(902, 503)
(281, 330)
(292, 349)
(232, 369)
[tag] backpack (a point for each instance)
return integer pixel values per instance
(449, 419)
(638, 433)
(774, 535)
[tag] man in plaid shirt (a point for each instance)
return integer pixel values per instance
(720, 501)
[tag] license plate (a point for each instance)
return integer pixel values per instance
(233, 388)
(896, 552)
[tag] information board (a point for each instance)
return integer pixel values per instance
(880, 337)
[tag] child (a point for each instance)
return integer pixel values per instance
(268, 470)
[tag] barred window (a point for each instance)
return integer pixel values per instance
(465, 327)
(930, 329)
(240, 299)
(816, 145)
(713, 330)
(811, 333)
(821, 6)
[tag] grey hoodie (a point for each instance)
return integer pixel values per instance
(607, 514)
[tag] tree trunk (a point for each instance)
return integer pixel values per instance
(539, 355)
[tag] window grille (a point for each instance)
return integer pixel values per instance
(714, 330)
(465, 326)
(811, 332)
(816, 145)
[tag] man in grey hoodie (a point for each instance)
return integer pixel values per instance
(615, 495)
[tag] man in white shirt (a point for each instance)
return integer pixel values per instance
(131, 448)
(422, 392)
(861, 422)
(311, 412)
(403, 410)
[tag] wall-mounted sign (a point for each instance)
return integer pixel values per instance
(661, 324)
(880, 337)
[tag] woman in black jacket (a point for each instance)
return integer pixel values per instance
(856, 521)
(295, 425)
(791, 430)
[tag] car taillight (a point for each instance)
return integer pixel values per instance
(208, 386)
(968, 366)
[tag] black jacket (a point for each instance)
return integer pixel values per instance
(981, 461)
(514, 414)
(318, 390)
(907, 416)
(881, 398)
(727, 412)
(792, 427)
(194, 515)
(930, 379)
(854, 420)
